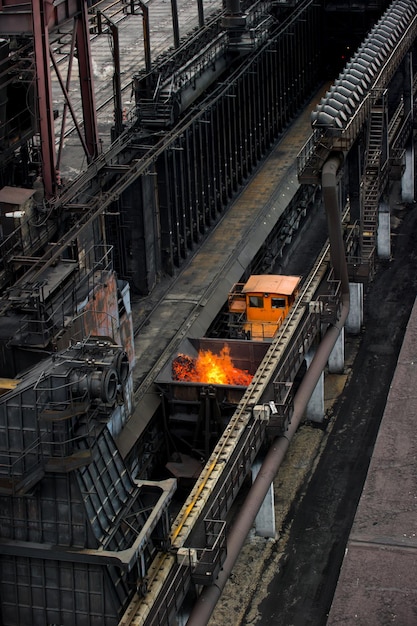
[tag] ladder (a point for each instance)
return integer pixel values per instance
(371, 183)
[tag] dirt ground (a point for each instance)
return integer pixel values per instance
(290, 580)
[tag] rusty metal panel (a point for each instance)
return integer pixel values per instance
(101, 311)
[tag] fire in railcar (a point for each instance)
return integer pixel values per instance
(202, 386)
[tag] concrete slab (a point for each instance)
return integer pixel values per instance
(378, 578)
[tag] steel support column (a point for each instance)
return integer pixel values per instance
(86, 83)
(40, 20)
(200, 8)
(146, 32)
(175, 25)
(117, 87)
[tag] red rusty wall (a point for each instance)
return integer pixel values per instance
(126, 326)
(100, 317)
(101, 314)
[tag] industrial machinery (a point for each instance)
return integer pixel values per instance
(79, 531)
(258, 307)
(202, 386)
(73, 518)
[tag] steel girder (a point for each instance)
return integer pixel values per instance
(37, 21)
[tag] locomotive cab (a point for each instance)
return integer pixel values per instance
(258, 307)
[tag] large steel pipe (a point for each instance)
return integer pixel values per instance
(207, 601)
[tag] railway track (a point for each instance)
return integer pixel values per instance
(243, 417)
(213, 495)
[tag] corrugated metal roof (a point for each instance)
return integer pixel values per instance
(272, 284)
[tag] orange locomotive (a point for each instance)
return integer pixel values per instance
(258, 307)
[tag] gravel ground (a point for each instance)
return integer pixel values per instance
(290, 580)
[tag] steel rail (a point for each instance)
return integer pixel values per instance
(251, 397)
(165, 567)
(206, 602)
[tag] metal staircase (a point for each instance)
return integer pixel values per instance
(372, 183)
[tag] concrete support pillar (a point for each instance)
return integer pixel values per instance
(182, 618)
(315, 406)
(384, 231)
(407, 180)
(354, 319)
(265, 519)
(336, 360)
(354, 171)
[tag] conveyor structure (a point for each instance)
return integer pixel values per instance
(357, 99)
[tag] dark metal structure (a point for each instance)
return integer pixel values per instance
(33, 27)
(361, 108)
(80, 530)
(207, 146)
(77, 532)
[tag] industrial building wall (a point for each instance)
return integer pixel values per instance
(213, 149)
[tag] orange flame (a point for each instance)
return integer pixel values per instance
(210, 368)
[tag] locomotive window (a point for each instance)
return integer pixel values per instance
(278, 303)
(256, 302)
